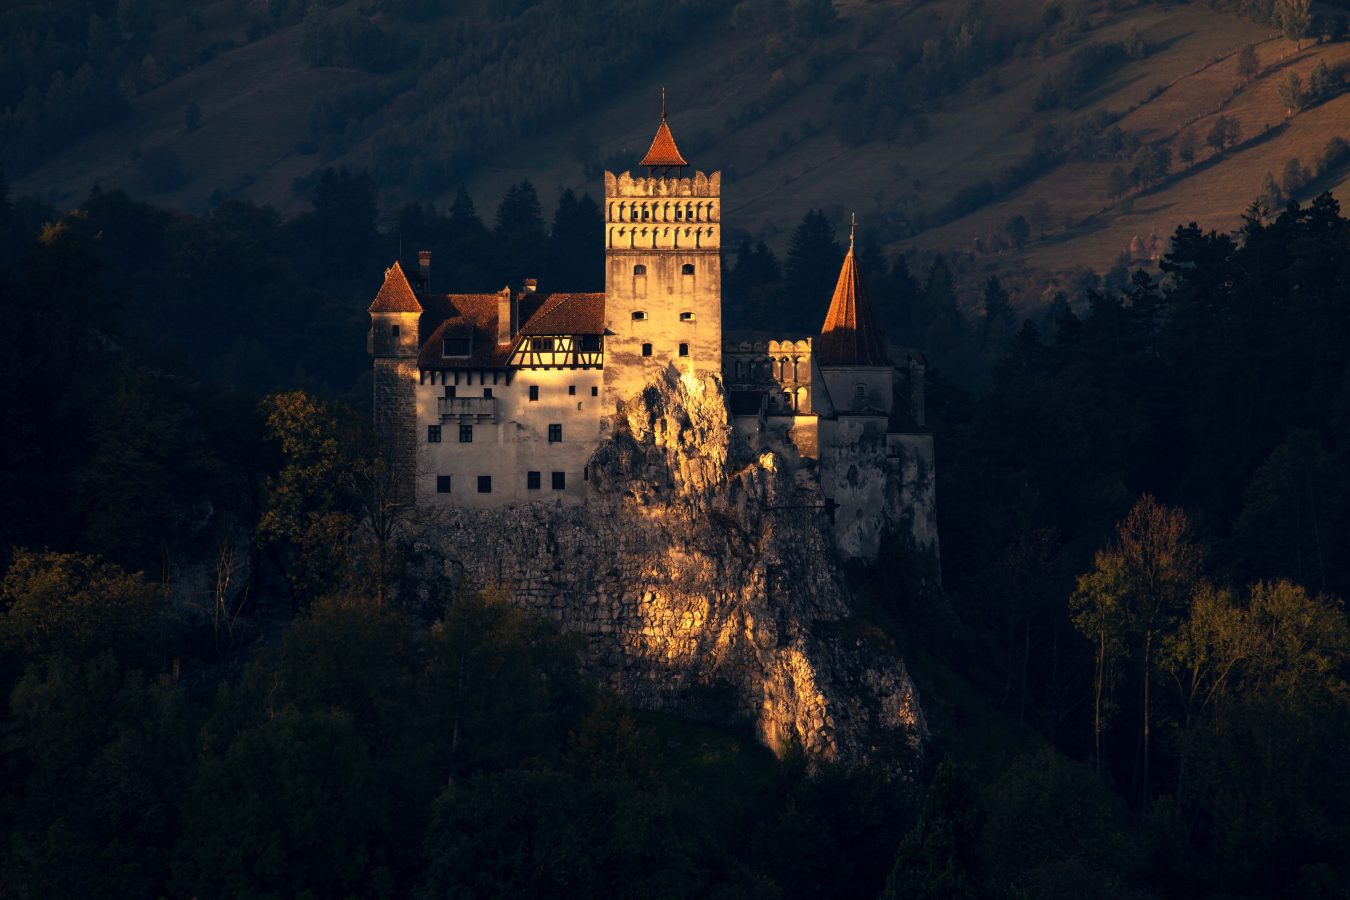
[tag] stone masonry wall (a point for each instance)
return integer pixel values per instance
(694, 565)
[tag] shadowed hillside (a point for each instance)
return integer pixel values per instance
(1043, 136)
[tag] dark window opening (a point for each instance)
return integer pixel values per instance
(639, 315)
(686, 317)
(571, 390)
(646, 349)
(433, 434)
(487, 392)
(542, 344)
(442, 484)
(484, 484)
(466, 434)
(532, 481)
(595, 391)
(684, 349)
(555, 434)
(639, 269)
(450, 391)
(393, 331)
(585, 473)
(559, 481)
(687, 269)
(590, 342)
(534, 392)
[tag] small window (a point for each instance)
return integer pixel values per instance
(590, 342)
(571, 390)
(531, 481)
(484, 484)
(860, 391)
(559, 481)
(543, 345)
(555, 434)
(450, 390)
(639, 315)
(686, 317)
(487, 392)
(639, 269)
(466, 434)
(585, 473)
(534, 392)
(687, 269)
(394, 331)
(595, 391)
(433, 434)
(646, 349)
(442, 484)
(684, 349)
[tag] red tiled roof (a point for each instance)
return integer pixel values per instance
(850, 336)
(663, 152)
(396, 294)
(475, 316)
(569, 314)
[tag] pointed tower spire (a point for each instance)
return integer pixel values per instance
(850, 336)
(663, 153)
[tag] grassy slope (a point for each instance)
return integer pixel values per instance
(255, 100)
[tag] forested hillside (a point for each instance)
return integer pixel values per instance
(1098, 123)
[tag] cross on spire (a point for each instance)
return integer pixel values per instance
(852, 227)
(663, 103)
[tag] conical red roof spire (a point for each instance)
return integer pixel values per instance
(663, 154)
(850, 336)
(396, 294)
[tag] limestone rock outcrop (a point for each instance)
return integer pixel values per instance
(698, 568)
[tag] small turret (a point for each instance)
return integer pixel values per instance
(394, 315)
(393, 341)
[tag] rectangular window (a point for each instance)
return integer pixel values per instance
(532, 481)
(484, 484)
(393, 332)
(433, 434)
(595, 390)
(487, 392)
(555, 434)
(646, 349)
(686, 317)
(442, 484)
(450, 391)
(684, 349)
(534, 392)
(571, 390)
(544, 345)
(559, 481)
(466, 434)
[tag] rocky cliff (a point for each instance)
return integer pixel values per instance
(698, 569)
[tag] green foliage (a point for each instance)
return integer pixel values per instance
(75, 605)
(939, 858)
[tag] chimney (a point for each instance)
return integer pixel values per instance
(506, 315)
(531, 285)
(424, 266)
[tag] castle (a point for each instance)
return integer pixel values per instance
(493, 399)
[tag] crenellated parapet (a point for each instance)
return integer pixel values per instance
(624, 184)
(663, 213)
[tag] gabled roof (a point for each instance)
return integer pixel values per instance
(568, 314)
(663, 153)
(396, 294)
(850, 336)
(473, 316)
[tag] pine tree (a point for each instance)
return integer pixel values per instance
(519, 235)
(814, 257)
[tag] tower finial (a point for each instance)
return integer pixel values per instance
(663, 103)
(852, 228)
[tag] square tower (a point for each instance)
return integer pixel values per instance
(663, 271)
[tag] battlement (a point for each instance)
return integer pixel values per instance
(625, 185)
